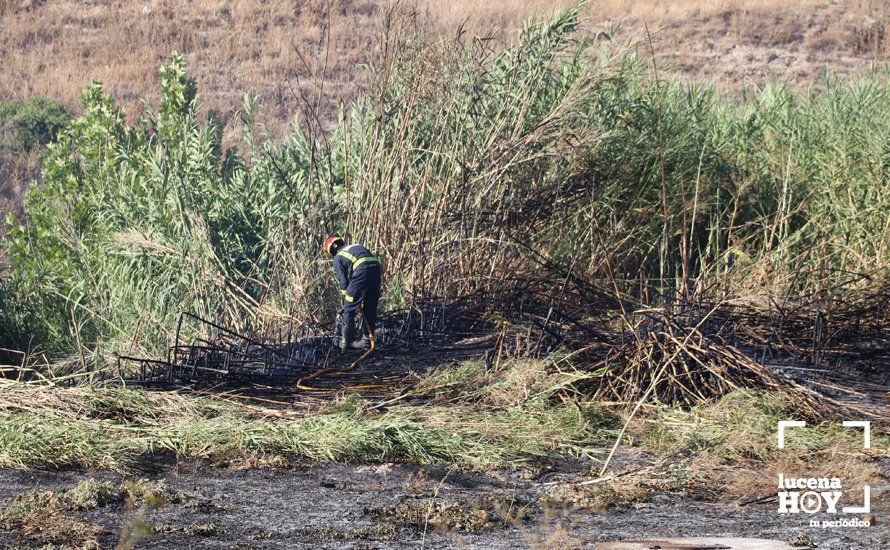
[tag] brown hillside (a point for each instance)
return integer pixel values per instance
(274, 48)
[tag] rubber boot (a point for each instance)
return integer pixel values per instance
(361, 343)
(347, 332)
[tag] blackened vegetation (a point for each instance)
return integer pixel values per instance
(820, 350)
(305, 358)
(687, 351)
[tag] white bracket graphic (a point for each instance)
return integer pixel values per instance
(866, 430)
(788, 424)
(866, 503)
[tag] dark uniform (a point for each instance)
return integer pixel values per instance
(358, 274)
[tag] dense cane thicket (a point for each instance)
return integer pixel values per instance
(461, 166)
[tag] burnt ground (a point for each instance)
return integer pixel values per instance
(373, 505)
(860, 386)
(304, 360)
(390, 370)
(332, 505)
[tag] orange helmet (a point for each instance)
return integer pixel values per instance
(332, 244)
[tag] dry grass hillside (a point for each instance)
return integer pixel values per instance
(297, 53)
(743, 42)
(274, 48)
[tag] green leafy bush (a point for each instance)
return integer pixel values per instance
(26, 125)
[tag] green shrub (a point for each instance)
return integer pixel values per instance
(26, 125)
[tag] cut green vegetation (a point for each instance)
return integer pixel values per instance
(112, 428)
(504, 416)
(743, 424)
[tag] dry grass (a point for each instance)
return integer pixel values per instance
(496, 18)
(731, 443)
(53, 517)
(677, 9)
(741, 43)
(55, 48)
(276, 48)
(273, 49)
(726, 450)
(750, 480)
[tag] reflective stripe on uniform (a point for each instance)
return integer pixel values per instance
(349, 298)
(346, 255)
(357, 261)
(360, 261)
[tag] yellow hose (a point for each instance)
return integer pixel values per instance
(300, 386)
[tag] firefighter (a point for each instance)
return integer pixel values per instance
(358, 275)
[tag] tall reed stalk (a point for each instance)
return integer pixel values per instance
(466, 168)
